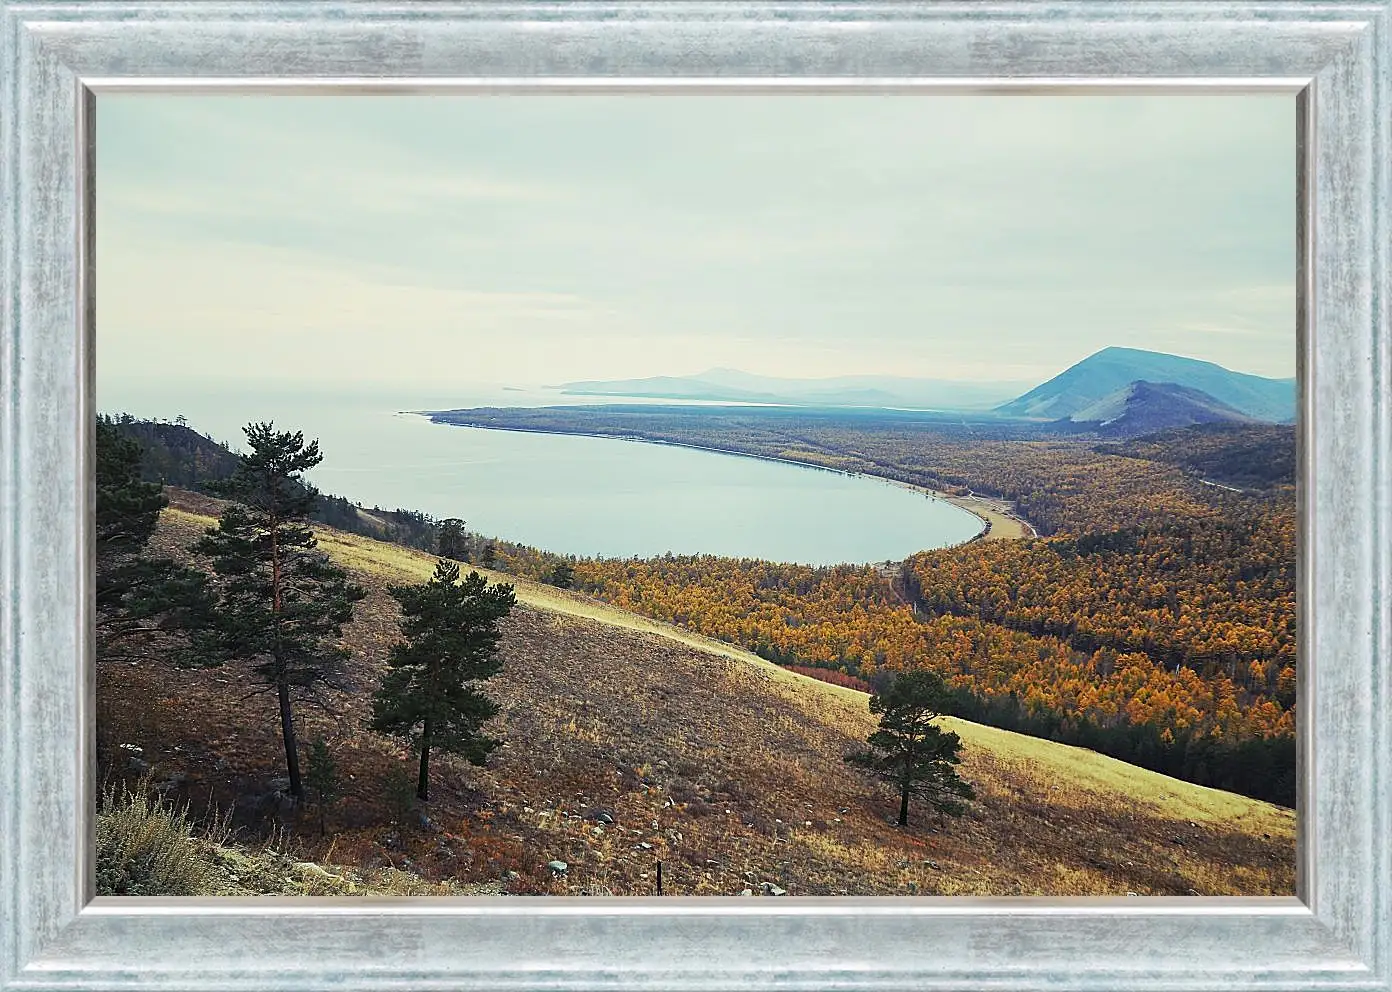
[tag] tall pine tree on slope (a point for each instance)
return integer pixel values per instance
(428, 697)
(909, 750)
(281, 604)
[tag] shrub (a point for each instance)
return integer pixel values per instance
(832, 676)
(145, 847)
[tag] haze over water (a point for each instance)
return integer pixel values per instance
(569, 494)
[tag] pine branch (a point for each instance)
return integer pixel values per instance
(260, 690)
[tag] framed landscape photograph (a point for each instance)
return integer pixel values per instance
(606, 572)
(695, 495)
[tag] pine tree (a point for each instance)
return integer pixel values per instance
(452, 542)
(321, 774)
(137, 594)
(127, 508)
(909, 750)
(563, 575)
(282, 605)
(428, 697)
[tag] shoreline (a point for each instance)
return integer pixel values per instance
(998, 522)
(996, 512)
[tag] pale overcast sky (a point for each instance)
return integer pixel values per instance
(535, 239)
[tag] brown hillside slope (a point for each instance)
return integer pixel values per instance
(723, 767)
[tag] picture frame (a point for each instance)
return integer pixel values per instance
(58, 57)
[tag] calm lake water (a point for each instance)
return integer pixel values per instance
(570, 494)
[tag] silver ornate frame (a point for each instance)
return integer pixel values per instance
(56, 55)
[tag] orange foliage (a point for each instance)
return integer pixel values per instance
(1157, 600)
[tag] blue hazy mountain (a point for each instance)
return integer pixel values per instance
(734, 386)
(1102, 375)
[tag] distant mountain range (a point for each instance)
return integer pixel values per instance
(733, 386)
(1119, 389)
(1100, 376)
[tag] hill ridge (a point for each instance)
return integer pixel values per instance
(1144, 407)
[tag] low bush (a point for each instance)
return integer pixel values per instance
(146, 847)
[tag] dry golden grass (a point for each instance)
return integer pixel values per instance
(149, 845)
(393, 563)
(723, 766)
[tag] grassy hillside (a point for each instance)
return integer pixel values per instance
(723, 766)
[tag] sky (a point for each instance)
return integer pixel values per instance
(420, 241)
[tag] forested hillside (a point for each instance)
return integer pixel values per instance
(1249, 457)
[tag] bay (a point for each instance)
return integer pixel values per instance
(564, 493)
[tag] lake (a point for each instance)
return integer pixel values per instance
(569, 494)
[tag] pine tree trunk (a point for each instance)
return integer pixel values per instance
(904, 806)
(287, 716)
(423, 786)
(287, 731)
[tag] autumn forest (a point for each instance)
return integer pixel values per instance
(1153, 620)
